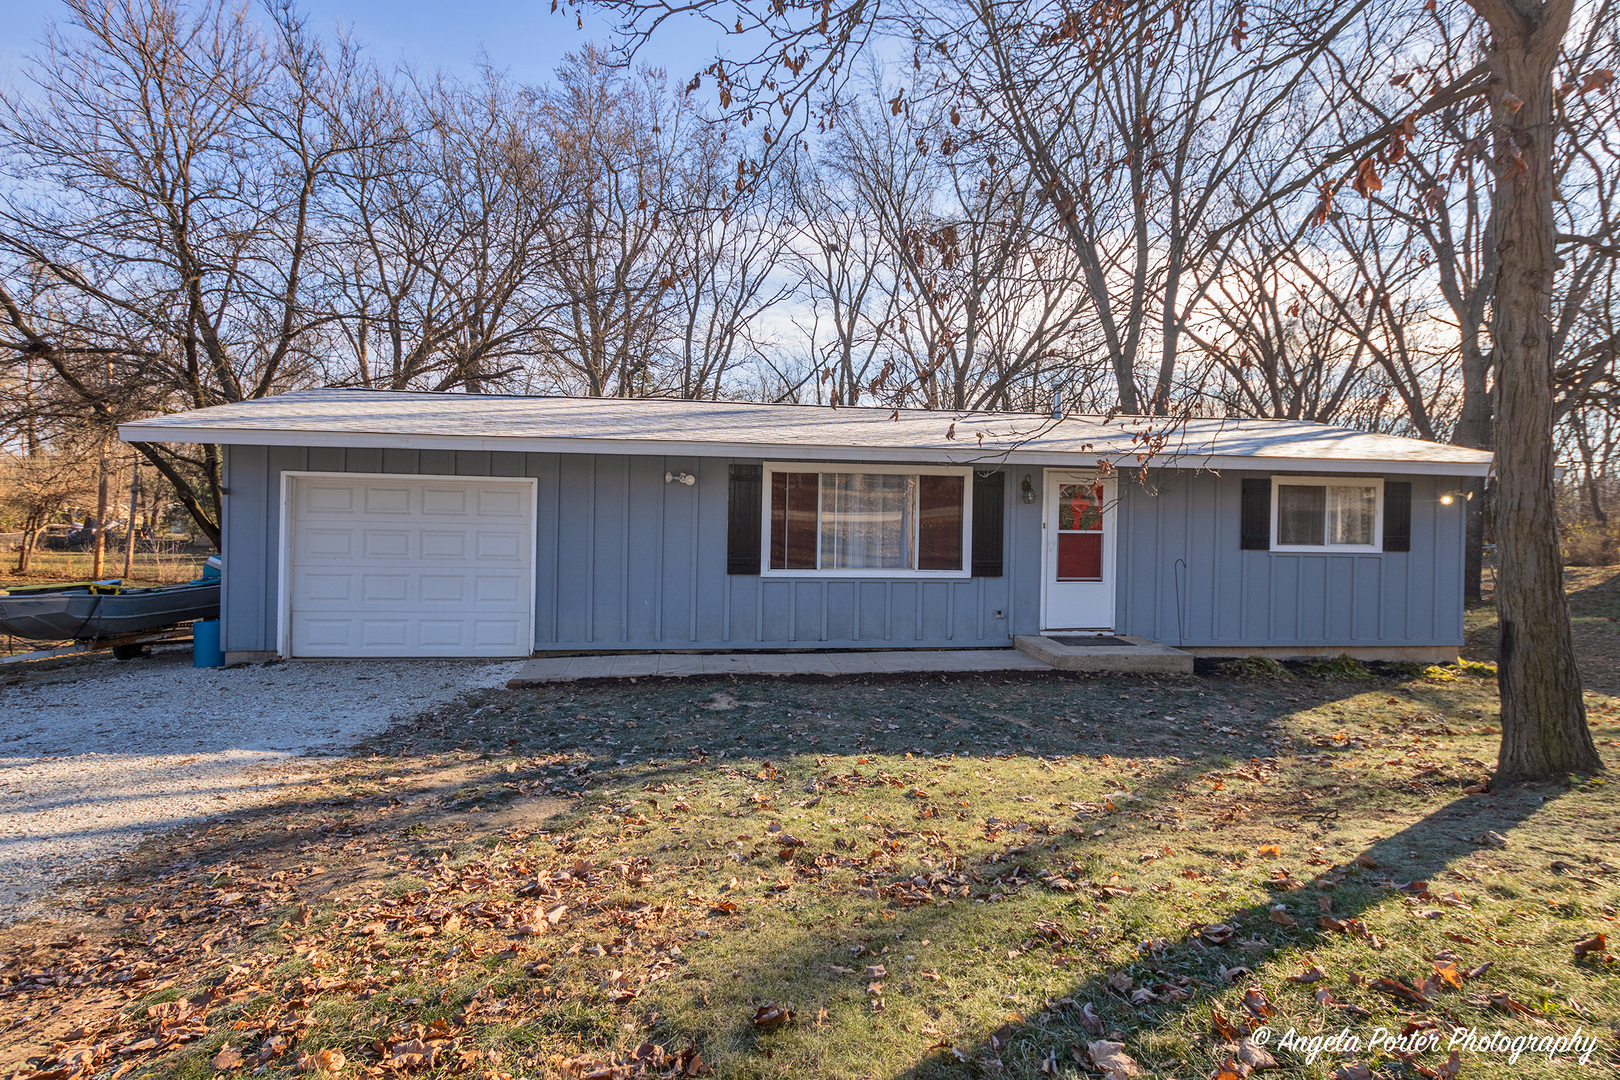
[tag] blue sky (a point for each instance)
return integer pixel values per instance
(519, 35)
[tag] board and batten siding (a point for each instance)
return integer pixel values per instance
(1184, 579)
(625, 560)
(628, 561)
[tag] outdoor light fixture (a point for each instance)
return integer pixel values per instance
(680, 478)
(1449, 497)
(1028, 489)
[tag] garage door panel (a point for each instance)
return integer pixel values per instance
(443, 588)
(388, 499)
(386, 543)
(328, 543)
(446, 501)
(318, 587)
(331, 499)
(443, 633)
(494, 589)
(385, 587)
(491, 633)
(501, 545)
(496, 502)
(444, 544)
(375, 633)
(325, 632)
(410, 567)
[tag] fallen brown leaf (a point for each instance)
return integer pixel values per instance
(1110, 1058)
(1397, 989)
(1597, 943)
(771, 1016)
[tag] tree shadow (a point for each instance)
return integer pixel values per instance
(1255, 939)
(900, 904)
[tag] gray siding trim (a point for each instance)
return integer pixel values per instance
(1220, 595)
(625, 561)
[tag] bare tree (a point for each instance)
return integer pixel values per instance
(987, 302)
(851, 286)
(728, 268)
(159, 229)
(39, 483)
(611, 256)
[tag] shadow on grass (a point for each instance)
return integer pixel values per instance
(992, 717)
(1420, 851)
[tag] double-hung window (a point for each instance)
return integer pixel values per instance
(866, 520)
(1316, 513)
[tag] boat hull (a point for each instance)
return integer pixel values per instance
(86, 616)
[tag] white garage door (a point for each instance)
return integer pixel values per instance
(410, 566)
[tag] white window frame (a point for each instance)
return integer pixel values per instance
(1328, 481)
(965, 472)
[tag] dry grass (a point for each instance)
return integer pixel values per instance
(53, 566)
(149, 569)
(1033, 865)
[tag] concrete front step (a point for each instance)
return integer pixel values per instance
(542, 671)
(1140, 657)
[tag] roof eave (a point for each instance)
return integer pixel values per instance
(967, 454)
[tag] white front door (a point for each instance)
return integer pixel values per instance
(408, 566)
(1077, 589)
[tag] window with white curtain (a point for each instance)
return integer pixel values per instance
(866, 520)
(1314, 513)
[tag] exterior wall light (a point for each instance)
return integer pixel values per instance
(680, 478)
(1449, 497)
(1027, 489)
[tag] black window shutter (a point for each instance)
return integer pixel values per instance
(743, 509)
(989, 505)
(1397, 515)
(1257, 515)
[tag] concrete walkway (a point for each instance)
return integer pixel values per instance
(563, 669)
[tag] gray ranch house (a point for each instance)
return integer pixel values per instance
(363, 523)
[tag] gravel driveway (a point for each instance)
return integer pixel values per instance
(95, 755)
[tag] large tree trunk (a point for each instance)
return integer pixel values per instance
(1544, 732)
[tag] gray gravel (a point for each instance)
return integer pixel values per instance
(96, 755)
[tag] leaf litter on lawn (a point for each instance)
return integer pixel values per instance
(621, 881)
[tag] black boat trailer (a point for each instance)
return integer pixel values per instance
(123, 646)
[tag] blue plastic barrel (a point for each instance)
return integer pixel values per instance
(205, 650)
